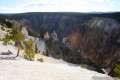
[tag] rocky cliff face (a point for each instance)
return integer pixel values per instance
(96, 42)
(99, 43)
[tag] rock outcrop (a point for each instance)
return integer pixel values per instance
(99, 43)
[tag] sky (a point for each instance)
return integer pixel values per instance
(21, 6)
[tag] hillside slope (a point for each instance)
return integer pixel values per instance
(27, 70)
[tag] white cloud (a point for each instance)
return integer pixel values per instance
(64, 6)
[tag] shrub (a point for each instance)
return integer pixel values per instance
(41, 59)
(18, 36)
(13, 35)
(29, 54)
(29, 50)
(7, 39)
(8, 25)
(3, 28)
(32, 33)
(116, 70)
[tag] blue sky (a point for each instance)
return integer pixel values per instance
(20, 6)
